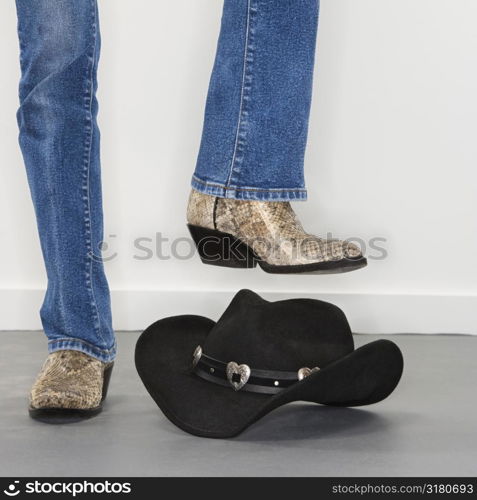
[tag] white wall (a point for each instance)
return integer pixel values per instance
(392, 154)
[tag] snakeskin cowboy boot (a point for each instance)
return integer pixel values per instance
(70, 386)
(242, 234)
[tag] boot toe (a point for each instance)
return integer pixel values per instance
(351, 251)
(68, 380)
(63, 398)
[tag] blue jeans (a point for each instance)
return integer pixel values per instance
(253, 143)
(256, 120)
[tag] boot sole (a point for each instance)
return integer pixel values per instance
(217, 248)
(71, 415)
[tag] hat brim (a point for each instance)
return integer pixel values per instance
(164, 357)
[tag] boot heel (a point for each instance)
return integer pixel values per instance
(106, 379)
(222, 249)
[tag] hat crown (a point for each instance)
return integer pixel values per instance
(285, 335)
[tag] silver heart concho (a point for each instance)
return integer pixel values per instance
(306, 372)
(196, 356)
(235, 369)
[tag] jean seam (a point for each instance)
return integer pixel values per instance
(75, 344)
(272, 194)
(240, 137)
(236, 188)
(73, 340)
(86, 177)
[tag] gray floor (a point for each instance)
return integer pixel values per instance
(427, 427)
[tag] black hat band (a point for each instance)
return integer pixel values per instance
(242, 377)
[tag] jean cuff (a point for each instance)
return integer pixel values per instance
(248, 193)
(70, 344)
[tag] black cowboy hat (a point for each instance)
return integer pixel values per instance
(216, 379)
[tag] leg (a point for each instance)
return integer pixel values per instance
(59, 137)
(251, 159)
(257, 113)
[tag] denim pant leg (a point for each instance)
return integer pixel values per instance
(256, 120)
(59, 137)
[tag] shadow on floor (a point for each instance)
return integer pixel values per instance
(305, 421)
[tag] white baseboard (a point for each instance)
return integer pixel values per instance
(367, 313)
